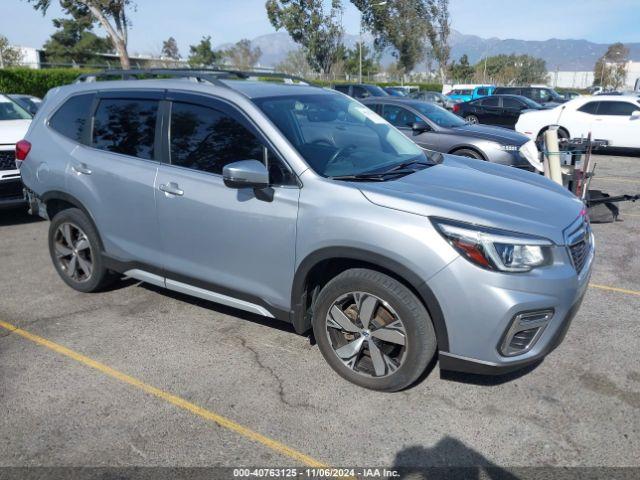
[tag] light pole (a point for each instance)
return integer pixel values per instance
(379, 4)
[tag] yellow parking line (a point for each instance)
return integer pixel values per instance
(168, 397)
(615, 289)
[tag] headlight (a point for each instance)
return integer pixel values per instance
(529, 152)
(494, 249)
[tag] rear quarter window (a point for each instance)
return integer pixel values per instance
(72, 117)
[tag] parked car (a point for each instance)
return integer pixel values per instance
(466, 94)
(434, 128)
(501, 110)
(14, 122)
(542, 95)
(28, 102)
(612, 118)
(396, 91)
(360, 90)
(569, 95)
(301, 204)
(434, 97)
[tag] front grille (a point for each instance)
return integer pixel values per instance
(579, 254)
(7, 160)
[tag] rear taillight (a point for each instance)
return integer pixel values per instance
(456, 108)
(22, 150)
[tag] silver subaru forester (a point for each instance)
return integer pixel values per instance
(298, 203)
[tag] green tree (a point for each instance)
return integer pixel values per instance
(242, 55)
(318, 32)
(461, 72)
(400, 24)
(111, 14)
(370, 60)
(610, 71)
(74, 40)
(170, 49)
(438, 30)
(9, 56)
(512, 69)
(202, 54)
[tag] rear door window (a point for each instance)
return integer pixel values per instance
(72, 117)
(490, 102)
(126, 126)
(509, 102)
(621, 109)
(590, 107)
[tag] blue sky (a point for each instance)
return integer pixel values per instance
(230, 20)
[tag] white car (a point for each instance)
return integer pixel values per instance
(614, 118)
(14, 122)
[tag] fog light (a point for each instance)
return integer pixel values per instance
(524, 331)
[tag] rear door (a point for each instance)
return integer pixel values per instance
(235, 242)
(489, 111)
(113, 174)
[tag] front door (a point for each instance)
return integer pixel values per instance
(236, 242)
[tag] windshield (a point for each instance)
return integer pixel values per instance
(439, 115)
(376, 91)
(9, 110)
(530, 103)
(339, 136)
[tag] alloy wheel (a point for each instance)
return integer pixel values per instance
(366, 334)
(472, 119)
(73, 252)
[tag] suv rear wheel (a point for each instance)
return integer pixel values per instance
(75, 252)
(373, 330)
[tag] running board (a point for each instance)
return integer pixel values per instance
(197, 292)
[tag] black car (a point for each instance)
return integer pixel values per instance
(360, 90)
(501, 110)
(541, 95)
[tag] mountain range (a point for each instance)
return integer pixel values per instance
(560, 54)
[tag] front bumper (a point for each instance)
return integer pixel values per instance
(478, 307)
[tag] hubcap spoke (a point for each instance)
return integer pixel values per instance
(338, 319)
(393, 333)
(351, 349)
(85, 266)
(61, 250)
(82, 244)
(367, 305)
(377, 358)
(66, 233)
(72, 266)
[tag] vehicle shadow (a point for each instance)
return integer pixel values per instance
(448, 459)
(17, 216)
(222, 309)
(488, 380)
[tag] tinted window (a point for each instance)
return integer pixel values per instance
(342, 88)
(482, 91)
(623, 109)
(591, 107)
(490, 102)
(206, 139)
(439, 115)
(508, 102)
(360, 92)
(398, 116)
(126, 126)
(71, 118)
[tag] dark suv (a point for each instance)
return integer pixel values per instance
(542, 95)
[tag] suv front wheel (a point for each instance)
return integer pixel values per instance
(373, 330)
(75, 251)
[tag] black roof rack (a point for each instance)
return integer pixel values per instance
(209, 75)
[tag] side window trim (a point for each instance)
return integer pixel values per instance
(221, 105)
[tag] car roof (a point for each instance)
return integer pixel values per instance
(399, 100)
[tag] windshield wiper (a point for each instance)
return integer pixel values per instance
(376, 177)
(403, 165)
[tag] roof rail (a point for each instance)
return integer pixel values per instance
(209, 75)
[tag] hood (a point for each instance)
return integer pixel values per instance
(487, 132)
(13, 130)
(482, 193)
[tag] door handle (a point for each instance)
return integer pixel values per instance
(81, 168)
(171, 188)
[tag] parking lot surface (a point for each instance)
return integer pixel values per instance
(580, 407)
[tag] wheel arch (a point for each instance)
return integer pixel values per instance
(560, 127)
(322, 265)
(57, 201)
(473, 148)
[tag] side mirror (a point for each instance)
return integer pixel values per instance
(635, 115)
(245, 174)
(419, 127)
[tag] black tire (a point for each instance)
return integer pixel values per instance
(419, 338)
(99, 276)
(472, 119)
(467, 152)
(562, 133)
